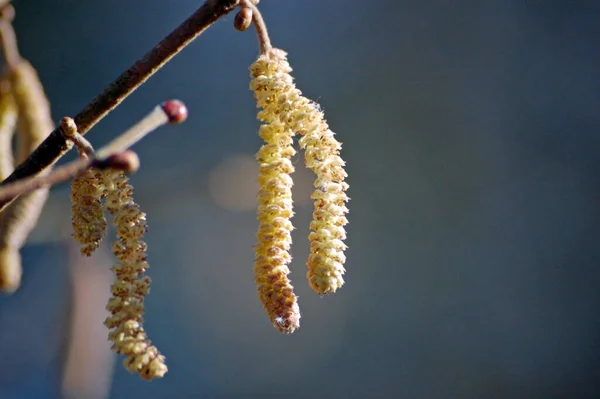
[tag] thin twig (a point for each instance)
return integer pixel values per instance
(110, 156)
(56, 145)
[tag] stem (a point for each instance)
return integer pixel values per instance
(55, 146)
(260, 26)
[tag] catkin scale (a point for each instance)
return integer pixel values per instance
(34, 124)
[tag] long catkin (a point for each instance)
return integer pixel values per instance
(10, 269)
(33, 126)
(8, 123)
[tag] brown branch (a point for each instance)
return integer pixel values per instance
(55, 146)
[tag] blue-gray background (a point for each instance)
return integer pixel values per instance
(470, 131)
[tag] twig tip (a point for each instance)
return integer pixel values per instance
(175, 110)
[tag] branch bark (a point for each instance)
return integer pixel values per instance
(55, 146)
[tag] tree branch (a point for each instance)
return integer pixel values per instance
(55, 146)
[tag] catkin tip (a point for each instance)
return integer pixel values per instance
(175, 110)
(10, 270)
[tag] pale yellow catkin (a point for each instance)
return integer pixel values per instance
(34, 124)
(322, 155)
(130, 288)
(275, 206)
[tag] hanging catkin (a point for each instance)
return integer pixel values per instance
(275, 205)
(126, 305)
(8, 122)
(33, 126)
(10, 268)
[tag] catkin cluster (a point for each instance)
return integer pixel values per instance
(93, 192)
(285, 113)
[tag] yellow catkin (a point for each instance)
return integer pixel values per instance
(130, 288)
(275, 208)
(89, 223)
(8, 122)
(34, 124)
(10, 259)
(35, 120)
(322, 155)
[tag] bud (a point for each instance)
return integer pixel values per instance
(126, 161)
(243, 19)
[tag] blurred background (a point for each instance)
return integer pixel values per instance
(471, 135)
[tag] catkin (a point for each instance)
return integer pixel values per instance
(87, 211)
(322, 155)
(34, 124)
(89, 223)
(35, 120)
(10, 259)
(130, 288)
(275, 208)
(8, 122)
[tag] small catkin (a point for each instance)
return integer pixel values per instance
(130, 288)
(34, 124)
(275, 208)
(322, 155)
(89, 223)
